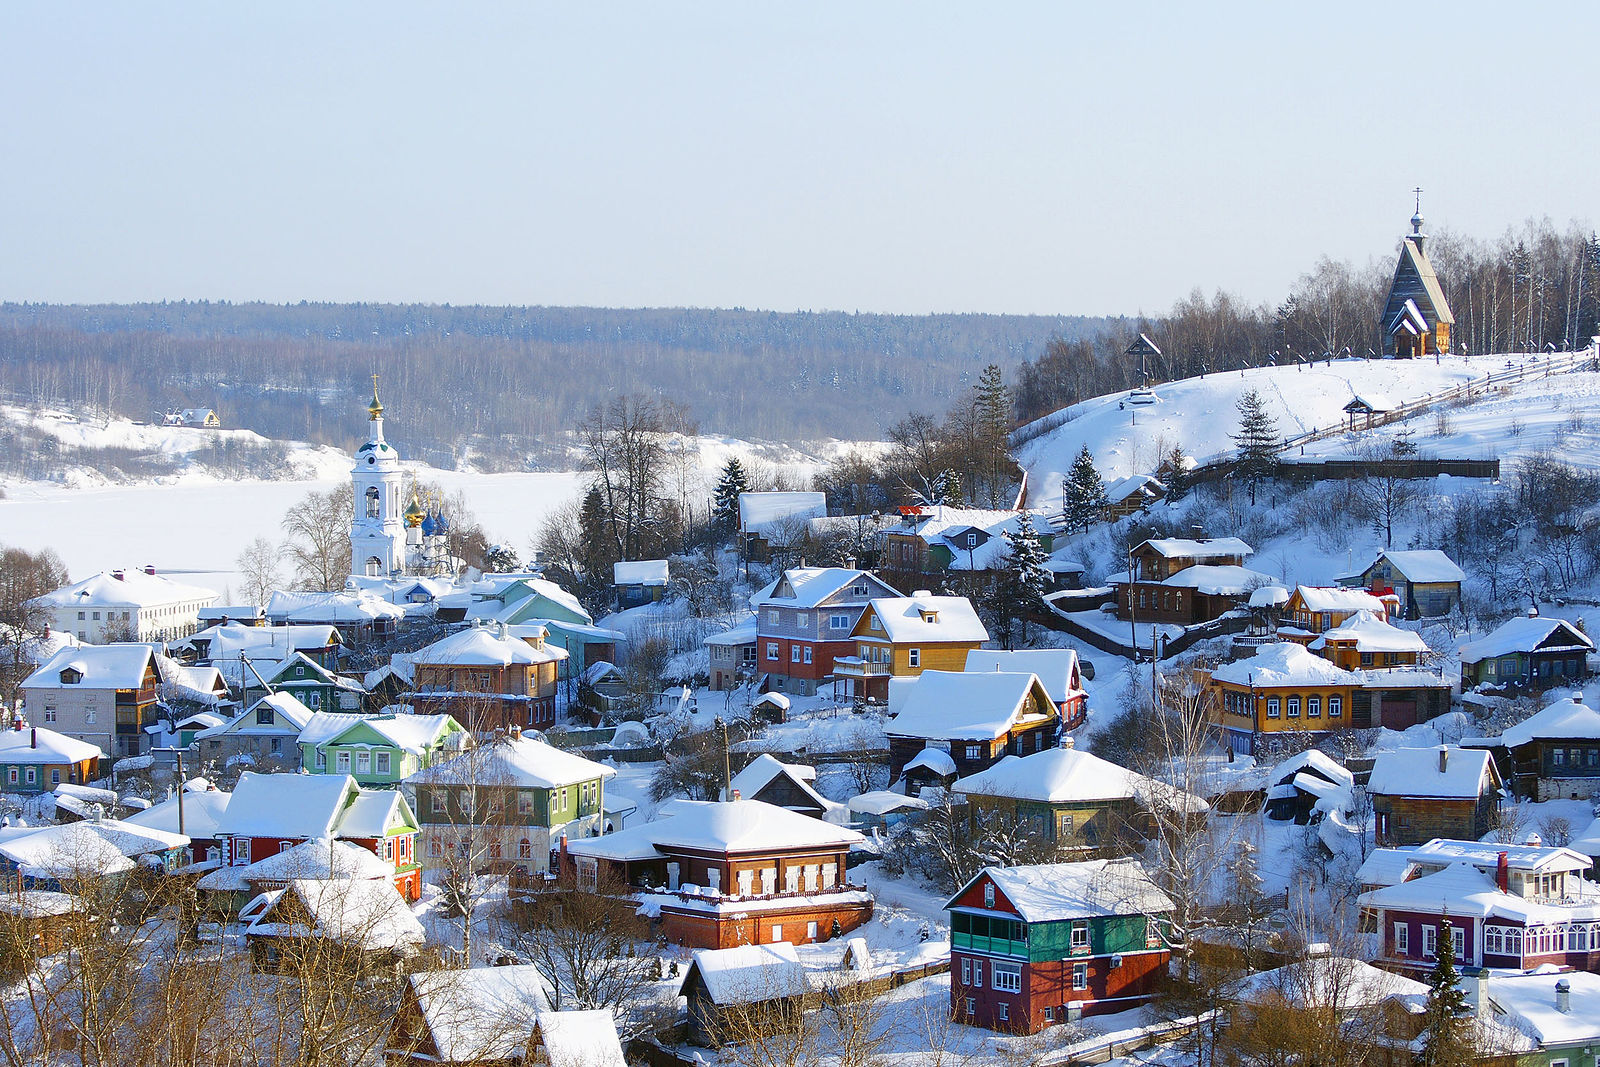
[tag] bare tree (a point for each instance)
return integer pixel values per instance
(259, 565)
(24, 576)
(317, 538)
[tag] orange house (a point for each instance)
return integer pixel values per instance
(1282, 689)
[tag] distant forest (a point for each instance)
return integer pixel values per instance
(500, 387)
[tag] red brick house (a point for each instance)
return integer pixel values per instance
(1038, 945)
(731, 873)
(804, 620)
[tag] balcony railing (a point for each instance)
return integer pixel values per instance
(856, 667)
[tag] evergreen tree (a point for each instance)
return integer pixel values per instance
(945, 489)
(1446, 1039)
(1028, 559)
(991, 431)
(1174, 474)
(1083, 493)
(598, 549)
(725, 506)
(1258, 442)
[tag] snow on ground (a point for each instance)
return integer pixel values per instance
(1200, 414)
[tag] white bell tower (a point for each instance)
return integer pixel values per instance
(377, 530)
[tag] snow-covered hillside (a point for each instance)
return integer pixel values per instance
(1200, 414)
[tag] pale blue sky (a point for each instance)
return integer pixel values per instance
(885, 157)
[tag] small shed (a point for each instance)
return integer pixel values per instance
(738, 991)
(639, 581)
(1368, 405)
(770, 708)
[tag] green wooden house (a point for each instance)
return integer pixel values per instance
(306, 680)
(379, 750)
(515, 798)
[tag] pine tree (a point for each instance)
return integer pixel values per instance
(598, 548)
(1446, 1040)
(945, 489)
(1083, 493)
(991, 427)
(1174, 474)
(1257, 441)
(725, 505)
(1028, 560)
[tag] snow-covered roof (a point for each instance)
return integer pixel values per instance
(230, 640)
(289, 716)
(324, 726)
(1217, 579)
(1338, 598)
(764, 768)
(1424, 565)
(1069, 775)
(645, 572)
(286, 805)
(1371, 401)
(521, 761)
(1268, 596)
(926, 618)
(1282, 664)
(199, 685)
(319, 857)
(39, 903)
(1565, 719)
(1465, 889)
(1443, 851)
(743, 634)
(483, 646)
(1524, 634)
(287, 606)
(1587, 841)
(767, 513)
(1415, 772)
(1056, 668)
(881, 802)
(117, 666)
(135, 589)
(1531, 1000)
(1190, 548)
(480, 1014)
(580, 1038)
(1144, 484)
(1311, 760)
(1049, 892)
(1385, 866)
(808, 587)
(954, 704)
(79, 849)
(720, 827)
(749, 974)
(1372, 634)
(935, 761)
(372, 812)
(201, 811)
(370, 914)
(948, 526)
(34, 744)
(1326, 981)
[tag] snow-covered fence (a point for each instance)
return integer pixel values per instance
(1107, 1048)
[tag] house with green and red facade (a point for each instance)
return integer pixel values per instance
(1038, 945)
(804, 621)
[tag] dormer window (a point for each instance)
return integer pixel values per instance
(929, 616)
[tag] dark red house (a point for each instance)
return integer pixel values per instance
(1038, 945)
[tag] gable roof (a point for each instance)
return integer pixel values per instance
(522, 761)
(748, 974)
(809, 587)
(1068, 775)
(1414, 772)
(718, 827)
(1372, 634)
(1425, 565)
(118, 666)
(1326, 981)
(1321, 598)
(1057, 669)
(1413, 257)
(1052, 892)
(483, 646)
(645, 572)
(1525, 635)
(1225, 579)
(202, 808)
(368, 913)
(286, 805)
(289, 606)
(945, 705)
(767, 513)
(579, 1038)
(923, 617)
(34, 744)
(290, 716)
(765, 767)
(480, 1014)
(1565, 719)
(948, 526)
(1201, 548)
(1284, 663)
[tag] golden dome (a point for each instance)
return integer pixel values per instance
(375, 409)
(413, 512)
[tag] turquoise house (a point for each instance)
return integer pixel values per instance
(532, 601)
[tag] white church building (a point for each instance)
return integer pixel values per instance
(386, 540)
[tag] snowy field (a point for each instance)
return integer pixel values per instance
(1200, 414)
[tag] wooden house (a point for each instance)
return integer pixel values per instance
(804, 620)
(1425, 582)
(1036, 945)
(963, 549)
(472, 1017)
(1071, 799)
(378, 750)
(1553, 754)
(365, 925)
(529, 600)
(1422, 793)
(1558, 1014)
(735, 872)
(265, 733)
(1512, 907)
(35, 760)
(900, 637)
(36, 923)
(1363, 641)
(514, 799)
(773, 524)
(637, 582)
(790, 786)
(489, 678)
(1131, 495)
(733, 656)
(105, 695)
(1058, 669)
(1314, 609)
(1281, 689)
(1416, 318)
(1527, 653)
(1186, 581)
(972, 719)
(733, 993)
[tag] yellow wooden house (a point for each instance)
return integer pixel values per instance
(1282, 689)
(900, 637)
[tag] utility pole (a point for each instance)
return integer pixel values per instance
(727, 770)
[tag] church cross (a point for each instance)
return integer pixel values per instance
(1417, 190)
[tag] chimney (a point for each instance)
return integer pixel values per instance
(1533, 612)
(150, 569)
(1067, 742)
(736, 795)
(503, 631)
(1502, 872)
(1564, 996)
(1444, 758)
(1533, 840)
(1475, 983)
(33, 737)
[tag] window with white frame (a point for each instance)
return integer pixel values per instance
(988, 894)
(1402, 939)
(382, 762)
(1313, 707)
(341, 762)
(794, 654)
(808, 654)
(977, 974)
(974, 752)
(1430, 941)
(363, 762)
(1007, 977)
(839, 622)
(1335, 707)
(772, 650)
(1080, 976)
(966, 972)
(1458, 942)
(1272, 708)
(1080, 935)
(1002, 1011)
(1294, 707)
(914, 657)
